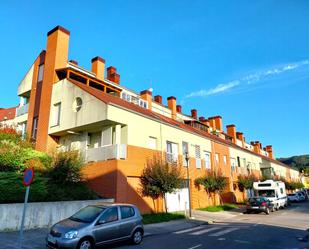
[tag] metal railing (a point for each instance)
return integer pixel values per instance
(22, 110)
(113, 151)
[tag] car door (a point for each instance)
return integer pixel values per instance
(107, 226)
(128, 220)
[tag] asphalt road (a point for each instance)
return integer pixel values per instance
(279, 230)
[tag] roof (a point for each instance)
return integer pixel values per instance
(110, 99)
(7, 113)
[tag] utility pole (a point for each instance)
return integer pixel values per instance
(188, 182)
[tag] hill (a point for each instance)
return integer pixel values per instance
(299, 162)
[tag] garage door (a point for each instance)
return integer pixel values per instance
(177, 201)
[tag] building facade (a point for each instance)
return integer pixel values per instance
(66, 107)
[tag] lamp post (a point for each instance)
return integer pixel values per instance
(188, 179)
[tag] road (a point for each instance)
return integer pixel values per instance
(279, 230)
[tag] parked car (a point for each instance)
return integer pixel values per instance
(259, 204)
(301, 196)
(96, 225)
(293, 197)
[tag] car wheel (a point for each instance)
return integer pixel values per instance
(267, 211)
(85, 244)
(137, 237)
(273, 209)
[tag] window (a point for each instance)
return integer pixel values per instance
(233, 164)
(56, 109)
(142, 103)
(244, 163)
(152, 143)
(224, 159)
(109, 215)
(238, 161)
(198, 156)
(126, 212)
(40, 73)
(34, 127)
(171, 152)
(207, 160)
(126, 96)
(77, 104)
(185, 150)
(217, 158)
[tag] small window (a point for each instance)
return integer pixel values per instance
(56, 114)
(198, 156)
(224, 159)
(238, 161)
(152, 143)
(40, 73)
(171, 152)
(34, 128)
(217, 158)
(143, 103)
(109, 215)
(126, 97)
(207, 160)
(185, 152)
(126, 212)
(77, 104)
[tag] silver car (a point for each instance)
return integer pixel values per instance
(96, 225)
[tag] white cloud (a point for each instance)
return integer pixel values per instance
(248, 79)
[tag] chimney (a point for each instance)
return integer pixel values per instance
(231, 131)
(171, 103)
(112, 75)
(194, 113)
(178, 108)
(240, 136)
(269, 149)
(74, 62)
(147, 95)
(158, 99)
(218, 121)
(98, 67)
(202, 119)
(256, 147)
(212, 123)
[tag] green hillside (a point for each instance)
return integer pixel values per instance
(299, 162)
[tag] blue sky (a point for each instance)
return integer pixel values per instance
(247, 61)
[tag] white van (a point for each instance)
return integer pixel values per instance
(273, 190)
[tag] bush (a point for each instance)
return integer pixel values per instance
(245, 182)
(66, 167)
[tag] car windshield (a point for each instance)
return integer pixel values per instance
(267, 193)
(87, 214)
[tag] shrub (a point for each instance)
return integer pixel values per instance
(245, 182)
(66, 167)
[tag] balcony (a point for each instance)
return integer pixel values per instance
(22, 110)
(113, 151)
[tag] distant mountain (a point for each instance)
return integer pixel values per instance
(299, 162)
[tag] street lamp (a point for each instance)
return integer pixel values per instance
(188, 183)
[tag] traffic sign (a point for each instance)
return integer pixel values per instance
(28, 177)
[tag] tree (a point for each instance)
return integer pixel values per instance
(159, 178)
(214, 183)
(245, 183)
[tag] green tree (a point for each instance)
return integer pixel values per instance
(214, 183)
(159, 178)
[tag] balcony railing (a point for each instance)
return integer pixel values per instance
(22, 110)
(113, 151)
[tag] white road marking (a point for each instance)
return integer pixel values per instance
(205, 231)
(242, 241)
(224, 231)
(188, 230)
(193, 247)
(222, 239)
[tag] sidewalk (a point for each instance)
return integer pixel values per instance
(212, 217)
(35, 239)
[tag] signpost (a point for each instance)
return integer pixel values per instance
(27, 180)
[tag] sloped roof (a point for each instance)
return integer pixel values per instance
(110, 99)
(7, 113)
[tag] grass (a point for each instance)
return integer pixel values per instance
(219, 208)
(161, 217)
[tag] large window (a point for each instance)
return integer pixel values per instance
(56, 111)
(185, 152)
(198, 156)
(40, 73)
(171, 152)
(207, 160)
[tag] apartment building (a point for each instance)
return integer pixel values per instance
(66, 107)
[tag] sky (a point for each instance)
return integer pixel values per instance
(247, 61)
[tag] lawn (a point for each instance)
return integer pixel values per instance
(161, 217)
(219, 208)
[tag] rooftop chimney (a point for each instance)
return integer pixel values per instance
(202, 119)
(269, 149)
(241, 137)
(158, 99)
(231, 131)
(171, 103)
(112, 75)
(74, 62)
(147, 95)
(256, 147)
(218, 121)
(194, 113)
(98, 67)
(212, 123)
(178, 108)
